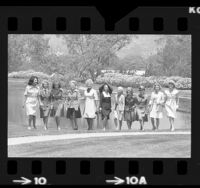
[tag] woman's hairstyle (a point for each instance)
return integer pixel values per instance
(88, 81)
(172, 82)
(73, 82)
(31, 80)
(101, 89)
(45, 82)
(54, 83)
(129, 89)
(120, 89)
(141, 88)
(157, 84)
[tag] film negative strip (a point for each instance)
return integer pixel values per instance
(88, 101)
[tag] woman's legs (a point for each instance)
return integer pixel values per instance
(88, 122)
(105, 122)
(157, 123)
(29, 121)
(171, 121)
(120, 124)
(153, 123)
(57, 122)
(75, 123)
(129, 124)
(91, 124)
(34, 121)
(141, 124)
(45, 120)
(116, 123)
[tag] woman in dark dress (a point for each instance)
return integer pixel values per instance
(45, 102)
(57, 108)
(73, 104)
(129, 109)
(105, 103)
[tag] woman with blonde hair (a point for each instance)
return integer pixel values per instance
(119, 107)
(91, 106)
(45, 102)
(171, 103)
(73, 104)
(156, 105)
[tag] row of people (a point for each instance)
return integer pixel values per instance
(129, 107)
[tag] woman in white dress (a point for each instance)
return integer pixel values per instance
(90, 108)
(31, 100)
(171, 103)
(119, 107)
(156, 104)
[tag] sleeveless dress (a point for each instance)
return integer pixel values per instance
(142, 107)
(105, 104)
(129, 109)
(119, 103)
(31, 104)
(170, 104)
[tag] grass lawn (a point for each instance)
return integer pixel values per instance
(145, 146)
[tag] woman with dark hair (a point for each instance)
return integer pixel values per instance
(156, 104)
(129, 108)
(141, 109)
(171, 103)
(57, 107)
(45, 102)
(105, 103)
(73, 104)
(31, 100)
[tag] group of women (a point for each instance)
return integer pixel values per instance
(129, 107)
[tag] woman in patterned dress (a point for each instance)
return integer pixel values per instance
(57, 99)
(141, 109)
(171, 103)
(91, 105)
(31, 100)
(73, 104)
(129, 109)
(156, 104)
(105, 103)
(45, 102)
(119, 108)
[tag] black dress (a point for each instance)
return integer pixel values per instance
(105, 104)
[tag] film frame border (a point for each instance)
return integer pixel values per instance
(15, 25)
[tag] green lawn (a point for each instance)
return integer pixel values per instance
(145, 146)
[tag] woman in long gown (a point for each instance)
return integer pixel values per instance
(45, 102)
(105, 103)
(171, 103)
(141, 109)
(90, 107)
(119, 108)
(31, 100)
(156, 104)
(130, 107)
(57, 107)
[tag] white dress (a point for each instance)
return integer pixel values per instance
(156, 102)
(171, 105)
(90, 107)
(31, 104)
(119, 112)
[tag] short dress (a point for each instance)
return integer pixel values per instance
(105, 104)
(171, 104)
(90, 108)
(73, 104)
(31, 104)
(129, 109)
(156, 102)
(45, 98)
(58, 103)
(119, 104)
(141, 108)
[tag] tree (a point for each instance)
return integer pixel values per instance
(93, 52)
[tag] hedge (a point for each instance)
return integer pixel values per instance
(118, 79)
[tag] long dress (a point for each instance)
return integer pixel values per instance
(90, 107)
(129, 109)
(73, 104)
(58, 103)
(31, 104)
(156, 102)
(141, 108)
(105, 104)
(170, 104)
(45, 98)
(120, 104)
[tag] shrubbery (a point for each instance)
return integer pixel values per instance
(118, 79)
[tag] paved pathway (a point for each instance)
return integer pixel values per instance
(45, 138)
